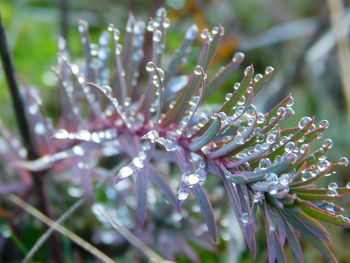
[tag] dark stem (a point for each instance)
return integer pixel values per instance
(24, 130)
(64, 17)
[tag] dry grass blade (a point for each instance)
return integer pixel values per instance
(151, 255)
(61, 229)
(60, 220)
(47, 234)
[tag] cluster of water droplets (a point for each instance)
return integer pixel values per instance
(169, 144)
(192, 177)
(85, 135)
(136, 164)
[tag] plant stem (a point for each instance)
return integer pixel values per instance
(24, 130)
(64, 23)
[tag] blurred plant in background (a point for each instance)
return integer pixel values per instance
(76, 144)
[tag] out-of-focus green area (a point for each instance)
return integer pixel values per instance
(293, 36)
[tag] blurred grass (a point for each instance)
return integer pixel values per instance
(33, 27)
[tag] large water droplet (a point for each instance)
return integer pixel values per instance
(239, 56)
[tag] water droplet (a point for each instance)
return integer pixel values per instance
(239, 56)
(205, 34)
(157, 36)
(269, 70)
(182, 195)
(324, 123)
(270, 138)
(33, 109)
(343, 161)
(198, 70)
(116, 34)
(272, 189)
(304, 148)
(126, 171)
(245, 218)
(257, 77)
(192, 32)
(247, 70)
(137, 162)
(215, 30)
(333, 186)
(161, 12)
(228, 96)
(150, 26)
(332, 193)
(78, 150)
(257, 197)
(152, 135)
(264, 163)
(39, 128)
(323, 165)
(328, 143)
(284, 179)
(107, 90)
(149, 66)
(236, 86)
(289, 147)
(110, 27)
(290, 101)
(304, 121)
(306, 175)
(166, 22)
(271, 177)
(192, 179)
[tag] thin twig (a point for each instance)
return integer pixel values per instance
(339, 27)
(135, 241)
(61, 229)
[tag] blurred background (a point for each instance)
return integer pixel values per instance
(296, 37)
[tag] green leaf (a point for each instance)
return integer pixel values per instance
(238, 94)
(324, 215)
(206, 137)
(221, 77)
(309, 235)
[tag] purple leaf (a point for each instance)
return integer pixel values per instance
(206, 210)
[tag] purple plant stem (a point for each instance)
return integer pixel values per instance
(27, 140)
